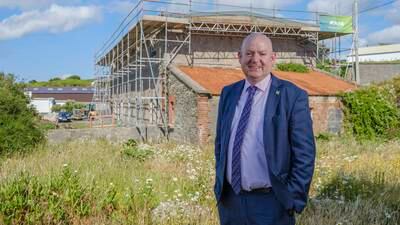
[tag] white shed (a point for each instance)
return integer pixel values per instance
(43, 105)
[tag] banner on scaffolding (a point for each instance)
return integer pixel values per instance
(338, 24)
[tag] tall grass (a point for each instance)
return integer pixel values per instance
(97, 182)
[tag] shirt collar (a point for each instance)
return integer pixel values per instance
(262, 85)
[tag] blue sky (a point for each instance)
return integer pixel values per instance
(41, 39)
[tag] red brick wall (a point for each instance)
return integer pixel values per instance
(202, 119)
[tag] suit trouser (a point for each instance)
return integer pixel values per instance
(252, 208)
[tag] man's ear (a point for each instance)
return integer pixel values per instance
(239, 56)
(273, 57)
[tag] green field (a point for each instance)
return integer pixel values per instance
(97, 182)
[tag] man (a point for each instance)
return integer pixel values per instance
(264, 146)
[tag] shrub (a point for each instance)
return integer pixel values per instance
(395, 84)
(324, 136)
(324, 67)
(348, 188)
(372, 112)
(292, 67)
(19, 129)
(67, 107)
(328, 67)
(131, 149)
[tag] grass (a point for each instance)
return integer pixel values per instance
(97, 182)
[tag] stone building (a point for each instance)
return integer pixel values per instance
(163, 75)
(195, 94)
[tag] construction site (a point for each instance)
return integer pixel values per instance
(166, 63)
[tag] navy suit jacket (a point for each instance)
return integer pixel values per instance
(288, 140)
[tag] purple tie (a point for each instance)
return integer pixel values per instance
(236, 181)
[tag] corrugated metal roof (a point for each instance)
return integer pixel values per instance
(60, 90)
(315, 83)
(379, 49)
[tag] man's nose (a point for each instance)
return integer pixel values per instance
(255, 57)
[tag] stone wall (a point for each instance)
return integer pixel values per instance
(203, 122)
(370, 72)
(213, 104)
(222, 51)
(185, 127)
(326, 113)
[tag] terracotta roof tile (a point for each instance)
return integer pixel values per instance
(315, 83)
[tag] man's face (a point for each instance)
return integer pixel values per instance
(256, 58)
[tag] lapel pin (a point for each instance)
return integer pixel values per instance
(277, 92)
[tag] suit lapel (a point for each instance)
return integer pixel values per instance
(236, 91)
(273, 99)
(270, 108)
(274, 96)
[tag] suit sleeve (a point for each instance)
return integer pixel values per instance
(302, 151)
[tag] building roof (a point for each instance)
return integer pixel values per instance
(379, 49)
(61, 90)
(248, 17)
(232, 23)
(315, 83)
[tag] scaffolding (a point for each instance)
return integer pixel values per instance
(131, 69)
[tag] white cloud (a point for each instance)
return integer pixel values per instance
(33, 4)
(332, 7)
(362, 42)
(387, 35)
(182, 6)
(343, 7)
(54, 19)
(258, 3)
(393, 14)
(121, 6)
(23, 4)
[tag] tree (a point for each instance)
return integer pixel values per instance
(74, 77)
(19, 129)
(54, 79)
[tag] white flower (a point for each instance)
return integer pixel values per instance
(149, 181)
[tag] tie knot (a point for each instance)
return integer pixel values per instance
(252, 89)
